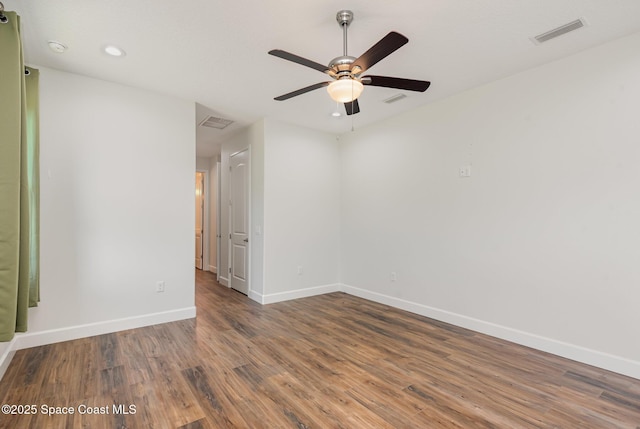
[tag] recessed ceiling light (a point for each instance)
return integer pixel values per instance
(56, 47)
(114, 51)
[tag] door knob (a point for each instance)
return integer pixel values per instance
(246, 240)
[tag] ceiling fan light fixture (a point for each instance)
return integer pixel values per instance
(345, 90)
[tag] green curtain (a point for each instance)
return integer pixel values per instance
(19, 182)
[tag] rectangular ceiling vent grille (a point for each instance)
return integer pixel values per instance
(556, 32)
(213, 122)
(394, 98)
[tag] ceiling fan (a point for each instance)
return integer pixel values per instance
(346, 70)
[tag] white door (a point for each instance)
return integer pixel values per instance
(199, 218)
(239, 218)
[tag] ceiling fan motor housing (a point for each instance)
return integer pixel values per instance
(342, 65)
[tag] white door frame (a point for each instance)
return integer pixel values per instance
(248, 214)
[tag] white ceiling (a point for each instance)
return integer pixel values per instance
(215, 53)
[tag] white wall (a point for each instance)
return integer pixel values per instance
(540, 245)
(117, 212)
(203, 164)
(302, 212)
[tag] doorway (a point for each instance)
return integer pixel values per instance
(199, 229)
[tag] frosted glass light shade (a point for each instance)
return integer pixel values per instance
(345, 90)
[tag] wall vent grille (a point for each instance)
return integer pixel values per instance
(556, 32)
(213, 122)
(394, 98)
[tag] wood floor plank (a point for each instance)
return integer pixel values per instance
(173, 394)
(216, 401)
(329, 361)
(300, 402)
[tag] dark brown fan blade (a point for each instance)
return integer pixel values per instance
(387, 45)
(352, 107)
(396, 82)
(301, 91)
(299, 60)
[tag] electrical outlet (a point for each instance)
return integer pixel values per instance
(465, 171)
(299, 270)
(160, 287)
(393, 276)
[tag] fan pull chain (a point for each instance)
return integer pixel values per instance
(352, 105)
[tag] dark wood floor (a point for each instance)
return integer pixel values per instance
(331, 361)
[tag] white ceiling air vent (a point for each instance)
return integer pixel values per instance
(563, 29)
(213, 122)
(394, 98)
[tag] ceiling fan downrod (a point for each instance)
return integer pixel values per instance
(344, 18)
(342, 65)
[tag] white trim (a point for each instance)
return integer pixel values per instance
(5, 358)
(299, 293)
(596, 358)
(257, 297)
(213, 269)
(34, 339)
(223, 281)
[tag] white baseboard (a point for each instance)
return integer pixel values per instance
(299, 293)
(7, 354)
(257, 297)
(223, 281)
(213, 269)
(596, 358)
(34, 339)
